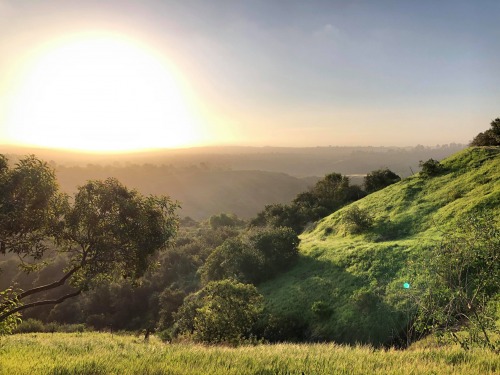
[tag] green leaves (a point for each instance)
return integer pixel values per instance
(460, 281)
(9, 300)
(253, 258)
(222, 312)
(107, 231)
(379, 179)
(116, 230)
(356, 220)
(30, 207)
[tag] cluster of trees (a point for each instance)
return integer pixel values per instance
(328, 195)
(117, 247)
(490, 137)
(104, 232)
(136, 269)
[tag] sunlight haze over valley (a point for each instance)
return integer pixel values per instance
(127, 76)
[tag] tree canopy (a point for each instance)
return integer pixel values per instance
(222, 312)
(379, 179)
(105, 231)
(490, 137)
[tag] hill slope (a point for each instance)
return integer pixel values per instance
(201, 192)
(348, 288)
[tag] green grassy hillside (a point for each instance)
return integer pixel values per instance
(349, 288)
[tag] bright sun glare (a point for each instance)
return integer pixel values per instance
(101, 93)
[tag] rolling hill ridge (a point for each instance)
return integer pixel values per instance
(349, 287)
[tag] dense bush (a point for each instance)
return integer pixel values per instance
(224, 220)
(277, 247)
(282, 215)
(431, 168)
(458, 283)
(222, 312)
(34, 325)
(380, 179)
(254, 257)
(328, 195)
(356, 220)
(233, 259)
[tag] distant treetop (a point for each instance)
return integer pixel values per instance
(490, 137)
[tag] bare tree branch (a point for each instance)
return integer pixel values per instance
(53, 285)
(39, 303)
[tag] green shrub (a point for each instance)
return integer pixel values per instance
(490, 137)
(222, 312)
(29, 326)
(458, 283)
(356, 220)
(34, 325)
(254, 257)
(431, 168)
(379, 179)
(321, 309)
(166, 335)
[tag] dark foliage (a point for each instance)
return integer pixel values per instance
(105, 232)
(253, 257)
(222, 312)
(490, 137)
(431, 168)
(380, 179)
(328, 195)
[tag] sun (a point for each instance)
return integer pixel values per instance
(104, 93)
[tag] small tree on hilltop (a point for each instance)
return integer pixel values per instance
(490, 137)
(431, 168)
(379, 179)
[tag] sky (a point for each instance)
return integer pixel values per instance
(255, 73)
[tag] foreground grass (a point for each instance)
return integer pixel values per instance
(101, 353)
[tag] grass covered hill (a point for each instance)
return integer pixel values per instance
(349, 287)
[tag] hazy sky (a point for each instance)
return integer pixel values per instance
(290, 72)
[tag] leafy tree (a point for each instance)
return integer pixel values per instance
(222, 312)
(170, 301)
(282, 215)
(461, 279)
(107, 231)
(277, 247)
(379, 179)
(30, 208)
(231, 260)
(328, 195)
(254, 257)
(224, 220)
(490, 137)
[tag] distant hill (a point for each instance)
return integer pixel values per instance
(295, 161)
(240, 180)
(348, 288)
(202, 192)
